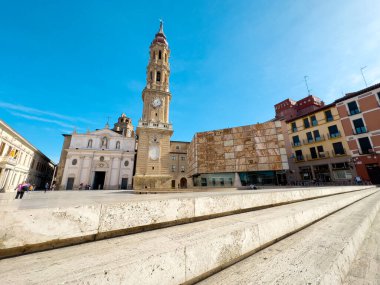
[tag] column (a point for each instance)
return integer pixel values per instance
(109, 176)
(237, 182)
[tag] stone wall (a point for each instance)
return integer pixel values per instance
(248, 148)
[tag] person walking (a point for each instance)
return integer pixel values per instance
(46, 186)
(18, 189)
(21, 190)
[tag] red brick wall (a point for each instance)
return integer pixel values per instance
(361, 169)
(342, 110)
(372, 120)
(353, 145)
(367, 103)
(347, 127)
(376, 141)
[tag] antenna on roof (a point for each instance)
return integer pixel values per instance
(307, 86)
(361, 70)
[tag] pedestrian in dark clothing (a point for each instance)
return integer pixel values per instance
(46, 186)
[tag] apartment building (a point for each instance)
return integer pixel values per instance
(360, 116)
(319, 148)
(21, 161)
(178, 164)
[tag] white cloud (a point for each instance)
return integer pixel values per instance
(10, 106)
(35, 118)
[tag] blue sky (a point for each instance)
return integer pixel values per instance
(66, 64)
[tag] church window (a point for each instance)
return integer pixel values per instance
(173, 168)
(158, 76)
(117, 145)
(182, 168)
(173, 157)
(104, 141)
(159, 54)
(177, 147)
(89, 144)
(183, 157)
(151, 75)
(74, 162)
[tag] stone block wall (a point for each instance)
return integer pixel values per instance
(248, 148)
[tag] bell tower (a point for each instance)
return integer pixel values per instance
(154, 128)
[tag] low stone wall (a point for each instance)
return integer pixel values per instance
(182, 254)
(29, 230)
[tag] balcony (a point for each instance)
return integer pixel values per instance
(155, 125)
(299, 158)
(296, 144)
(334, 135)
(7, 160)
(321, 155)
(314, 140)
(369, 151)
(340, 153)
(360, 130)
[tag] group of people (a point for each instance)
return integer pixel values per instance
(25, 186)
(85, 187)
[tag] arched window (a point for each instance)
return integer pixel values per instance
(89, 144)
(104, 142)
(151, 75)
(159, 55)
(117, 145)
(158, 76)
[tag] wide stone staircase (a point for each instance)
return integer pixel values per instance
(291, 236)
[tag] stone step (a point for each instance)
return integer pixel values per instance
(319, 254)
(56, 219)
(173, 255)
(366, 267)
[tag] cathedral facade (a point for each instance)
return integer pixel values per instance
(102, 159)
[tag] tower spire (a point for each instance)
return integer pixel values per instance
(161, 27)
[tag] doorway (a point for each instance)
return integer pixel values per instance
(99, 180)
(173, 183)
(373, 173)
(183, 182)
(124, 183)
(70, 183)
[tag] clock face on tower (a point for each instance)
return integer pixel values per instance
(156, 103)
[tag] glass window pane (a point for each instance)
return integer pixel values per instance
(365, 145)
(338, 148)
(328, 115)
(306, 123)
